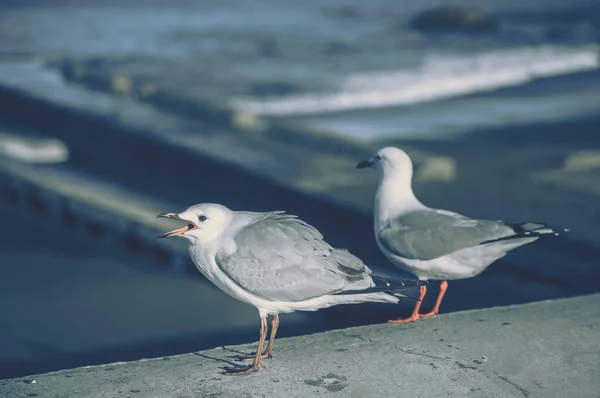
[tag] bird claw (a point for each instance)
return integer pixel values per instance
(251, 358)
(235, 371)
(405, 320)
(428, 315)
(414, 318)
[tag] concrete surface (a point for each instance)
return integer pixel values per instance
(544, 349)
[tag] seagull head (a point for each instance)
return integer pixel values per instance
(204, 222)
(389, 160)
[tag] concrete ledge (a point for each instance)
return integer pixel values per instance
(544, 349)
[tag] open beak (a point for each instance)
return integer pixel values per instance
(188, 227)
(364, 164)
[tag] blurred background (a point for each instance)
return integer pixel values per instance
(112, 112)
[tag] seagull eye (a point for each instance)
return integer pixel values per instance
(377, 158)
(202, 218)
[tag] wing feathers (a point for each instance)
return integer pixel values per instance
(429, 234)
(281, 258)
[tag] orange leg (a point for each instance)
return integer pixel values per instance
(415, 314)
(269, 351)
(436, 307)
(257, 358)
(274, 327)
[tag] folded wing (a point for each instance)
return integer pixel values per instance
(428, 234)
(281, 258)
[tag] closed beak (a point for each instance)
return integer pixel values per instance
(364, 164)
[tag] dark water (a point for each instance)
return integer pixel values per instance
(283, 59)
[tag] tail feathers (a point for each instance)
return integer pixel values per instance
(393, 284)
(389, 286)
(529, 230)
(535, 229)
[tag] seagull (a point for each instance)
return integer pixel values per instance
(432, 243)
(277, 263)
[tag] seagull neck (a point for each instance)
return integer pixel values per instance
(204, 250)
(395, 196)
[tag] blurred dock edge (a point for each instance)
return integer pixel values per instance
(92, 207)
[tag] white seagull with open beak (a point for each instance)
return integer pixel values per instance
(277, 263)
(433, 243)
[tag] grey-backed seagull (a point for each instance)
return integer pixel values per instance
(432, 243)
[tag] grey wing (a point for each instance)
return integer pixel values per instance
(429, 234)
(281, 258)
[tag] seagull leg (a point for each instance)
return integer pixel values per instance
(436, 307)
(274, 327)
(269, 351)
(415, 314)
(257, 358)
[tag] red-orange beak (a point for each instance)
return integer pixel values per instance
(188, 227)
